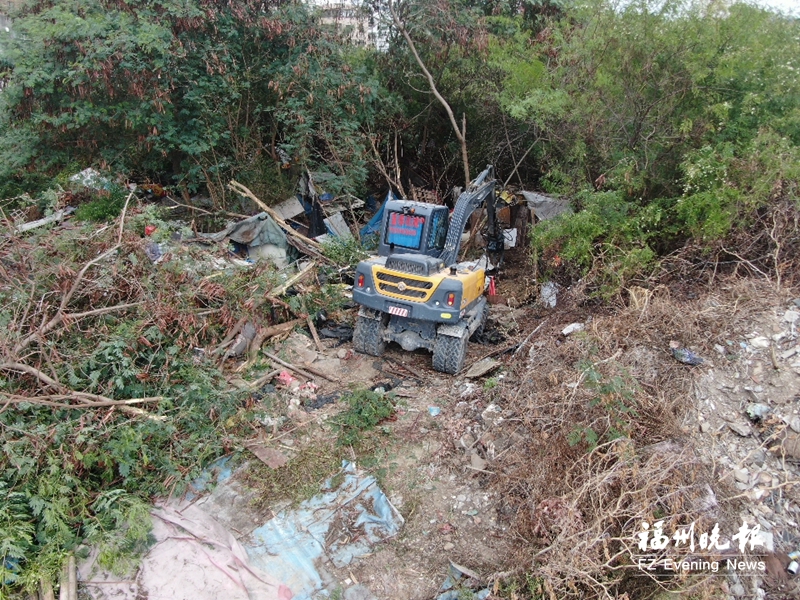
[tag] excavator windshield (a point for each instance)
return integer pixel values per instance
(404, 230)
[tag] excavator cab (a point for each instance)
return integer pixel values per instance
(413, 228)
(415, 292)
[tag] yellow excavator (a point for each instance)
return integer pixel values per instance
(414, 291)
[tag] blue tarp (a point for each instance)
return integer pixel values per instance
(337, 525)
(374, 225)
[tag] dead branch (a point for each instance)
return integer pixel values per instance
(382, 168)
(269, 332)
(66, 318)
(302, 372)
(59, 400)
(460, 133)
(244, 191)
(281, 289)
(315, 335)
(122, 219)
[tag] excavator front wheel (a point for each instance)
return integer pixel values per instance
(368, 336)
(449, 353)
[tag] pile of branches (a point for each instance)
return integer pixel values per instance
(111, 391)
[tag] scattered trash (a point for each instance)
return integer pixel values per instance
(149, 229)
(684, 355)
(757, 412)
(286, 378)
(242, 341)
(548, 293)
(509, 238)
(91, 179)
(338, 525)
(791, 316)
(336, 226)
(460, 584)
(153, 251)
(572, 328)
(193, 557)
(793, 567)
(468, 389)
(262, 236)
(794, 555)
(760, 342)
(434, 411)
(54, 218)
(482, 367)
(339, 332)
(321, 400)
(492, 415)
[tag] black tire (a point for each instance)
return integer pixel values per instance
(368, 336)
(476, 337)
(449, 353)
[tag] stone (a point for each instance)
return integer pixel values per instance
(482, 367)
(757, 458)
(572, 328)
(477, 462)
(741, 475)
(760, 342)
(791, 316)
(738, 590)
(764, 478)
(757, 411)
(740, 429)
(788, 446)
(449, 546)
(794, 423)
(705, 427)
(358, 592)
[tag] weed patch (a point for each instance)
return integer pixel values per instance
(366, 409)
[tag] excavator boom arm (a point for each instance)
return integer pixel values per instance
(480, 191)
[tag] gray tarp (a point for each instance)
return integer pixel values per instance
(258, 230)
(546, 207)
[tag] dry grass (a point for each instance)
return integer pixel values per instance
(576, 501)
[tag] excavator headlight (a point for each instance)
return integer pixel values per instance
(360, 280)
(451, 299)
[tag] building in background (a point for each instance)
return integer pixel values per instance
(351, 19)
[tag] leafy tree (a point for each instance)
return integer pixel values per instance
(201, 88)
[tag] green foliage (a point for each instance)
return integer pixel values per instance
(203, 91)
(107, 205)
(74, 476)
(344, 252)
(609, 231)
(615, 401)
(366, 409)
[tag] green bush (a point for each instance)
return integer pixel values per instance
(107, 205)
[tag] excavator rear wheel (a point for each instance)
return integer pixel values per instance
(449, 353)
(368, 336)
